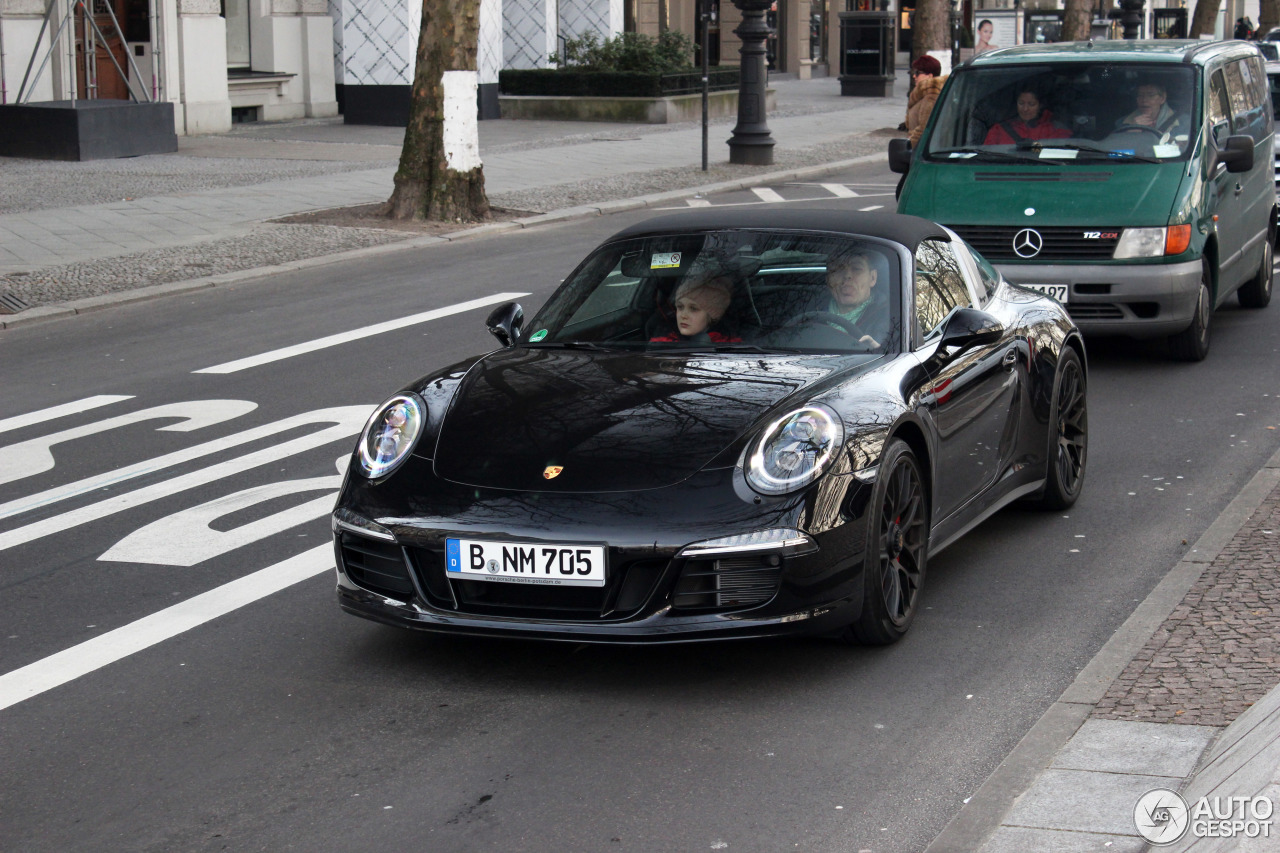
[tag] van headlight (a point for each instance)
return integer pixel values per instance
(1152, 242)
(390, 434)
(794, 450)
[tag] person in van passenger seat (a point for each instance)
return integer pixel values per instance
(1032, 122)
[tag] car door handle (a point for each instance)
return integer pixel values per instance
(1010, 359)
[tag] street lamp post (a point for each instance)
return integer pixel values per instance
(751, 144)
(1131, 17)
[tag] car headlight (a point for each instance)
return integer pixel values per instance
(390, 434)
(794, 450)
(1152, 242)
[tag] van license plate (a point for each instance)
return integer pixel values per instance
(1057, 291)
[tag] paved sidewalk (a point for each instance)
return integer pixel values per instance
(79, 230)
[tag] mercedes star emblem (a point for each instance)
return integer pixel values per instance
(1027, 243)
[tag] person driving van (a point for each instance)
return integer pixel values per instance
(1033, 121)
(1154, 112)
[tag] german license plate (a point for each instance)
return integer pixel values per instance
(525, 562)
(1057, 291)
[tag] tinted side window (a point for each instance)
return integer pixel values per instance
(1216, 105)
(1248, 116)
(939, 286)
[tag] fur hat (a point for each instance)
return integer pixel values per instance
(713, 293)
(927, 65)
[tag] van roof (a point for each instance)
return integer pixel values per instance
(1115, 50)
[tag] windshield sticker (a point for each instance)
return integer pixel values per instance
(1166, 149)
(538, 335)
(1058, 153)
(961, 155)
(1123, 152)
(664, 261)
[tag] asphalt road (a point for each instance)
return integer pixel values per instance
(282, 724)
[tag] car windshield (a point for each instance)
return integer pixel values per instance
(733, 289)
(1087, 112)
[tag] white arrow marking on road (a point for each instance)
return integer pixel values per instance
(187, 537)
(766, 194)
(82, 659)
(839, 190)
(34, 456)
(347, 421)
(18, 421)
(356, 334)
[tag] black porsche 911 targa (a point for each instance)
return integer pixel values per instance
(722, 424)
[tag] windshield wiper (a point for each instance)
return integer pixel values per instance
(1090, 149)
(982, 152)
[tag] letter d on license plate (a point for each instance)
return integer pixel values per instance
(525, 562)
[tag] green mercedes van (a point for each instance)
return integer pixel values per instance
(1132, 180)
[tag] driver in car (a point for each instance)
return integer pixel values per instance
(1154, 113)
(851, 279)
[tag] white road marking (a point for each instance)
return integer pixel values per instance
(357, 334)
(839, 190)
(34, 456)
(187, 537)
(807, 200)
(18, 421)
(767, 195)
(91, 655)
(347, 421)
(697, 202)
(871, 208)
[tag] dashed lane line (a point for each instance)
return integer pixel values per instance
(55, 412)
(356, 334)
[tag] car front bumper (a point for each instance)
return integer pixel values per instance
(1133, 300)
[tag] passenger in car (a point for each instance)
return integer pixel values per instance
(1032, 122)
(851, 278)
(700, 305)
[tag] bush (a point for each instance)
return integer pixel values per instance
(669, 52)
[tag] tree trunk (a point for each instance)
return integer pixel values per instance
(1268, 16)
(1206, 15)
(440, 175)
(931, 30)
(1077, 21)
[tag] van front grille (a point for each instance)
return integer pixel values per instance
(1059, 243)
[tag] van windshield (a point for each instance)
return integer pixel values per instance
(1118, 112)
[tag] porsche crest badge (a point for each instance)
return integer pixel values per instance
(552, 471)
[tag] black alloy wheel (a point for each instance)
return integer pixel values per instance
(1068, 435)
(897, 550)
(1256, 292)
(1192, 343)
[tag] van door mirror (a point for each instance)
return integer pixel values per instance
(899, 156)
(1237, 153)
(505, 322)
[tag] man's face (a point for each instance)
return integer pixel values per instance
(1150, 99)
(851, 282)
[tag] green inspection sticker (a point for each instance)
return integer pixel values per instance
(538, 335)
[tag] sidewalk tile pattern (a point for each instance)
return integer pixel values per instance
(1219, 651)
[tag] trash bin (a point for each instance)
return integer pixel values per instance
(866, 54)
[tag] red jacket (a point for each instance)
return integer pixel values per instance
(716, 338)
(1015, 130)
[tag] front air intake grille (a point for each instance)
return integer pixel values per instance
(376, 566)
(1057, 243)
(1044, 177)
(1095, 311)
(732, 583)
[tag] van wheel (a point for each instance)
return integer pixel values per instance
(1256, 292)
(1192, 343)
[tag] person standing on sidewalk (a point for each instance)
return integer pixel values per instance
(926, 84)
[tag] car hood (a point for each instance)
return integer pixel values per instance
(1104, 194)
(613, 421)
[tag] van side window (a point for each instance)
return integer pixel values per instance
(1216, 102)
(939, 287)
(1254, 119)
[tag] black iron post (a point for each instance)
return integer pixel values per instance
(705, 17)
(1131, 17)
(751, 144)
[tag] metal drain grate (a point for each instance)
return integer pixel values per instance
(10, 304)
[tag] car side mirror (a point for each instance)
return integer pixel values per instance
(969, 327)
(1237, 153)
(505, 322)
(899, 156)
